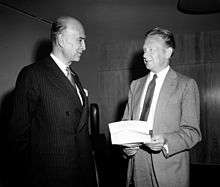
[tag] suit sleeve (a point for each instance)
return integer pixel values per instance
(189, 132)
(23, 110)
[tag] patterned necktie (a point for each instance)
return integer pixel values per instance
(74, 79)
(70, 77)
(148, 99)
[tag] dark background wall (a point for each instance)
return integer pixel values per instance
(115, 30)
(106, 22)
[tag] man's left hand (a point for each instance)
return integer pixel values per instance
(157, 143)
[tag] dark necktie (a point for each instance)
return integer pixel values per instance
(148, 99)
(77, 82)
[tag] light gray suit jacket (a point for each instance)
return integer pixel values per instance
(177, 117)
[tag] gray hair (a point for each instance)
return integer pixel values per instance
(166, 35)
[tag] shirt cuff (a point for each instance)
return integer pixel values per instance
(165, 150)
(165, 146)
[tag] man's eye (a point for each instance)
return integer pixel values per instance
(81, 40)
(148, 50)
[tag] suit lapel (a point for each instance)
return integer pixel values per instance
(168, 87)
(137, 97)
(54, 73)
(85, 111)
(59, 79)
(84, 115)
(79, 85)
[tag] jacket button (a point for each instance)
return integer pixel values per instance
(68, 113)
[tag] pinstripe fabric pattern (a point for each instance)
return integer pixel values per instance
(49, 128)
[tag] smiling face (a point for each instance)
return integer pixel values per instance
(156, 53)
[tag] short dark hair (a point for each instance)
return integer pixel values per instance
(57, 27)
(165, 34)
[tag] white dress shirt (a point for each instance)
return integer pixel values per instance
(63, 67)
(159, 82)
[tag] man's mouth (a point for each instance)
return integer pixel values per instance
(147, 60)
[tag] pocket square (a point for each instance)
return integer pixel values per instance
(86, 92)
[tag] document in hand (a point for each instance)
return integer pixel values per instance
(132, 131)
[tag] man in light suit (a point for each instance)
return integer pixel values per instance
(49, 125)
(173, 116)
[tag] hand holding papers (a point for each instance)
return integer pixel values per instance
(129, 132)
(130, 149)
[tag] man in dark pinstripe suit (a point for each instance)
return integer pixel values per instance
(49, 125)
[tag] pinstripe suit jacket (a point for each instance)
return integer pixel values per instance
(50, 128)
(177, 118)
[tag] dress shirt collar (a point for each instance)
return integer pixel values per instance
(161, 74)
(59, 63)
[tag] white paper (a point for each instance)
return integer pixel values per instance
(132, 131)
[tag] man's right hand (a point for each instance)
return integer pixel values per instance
(130, 149)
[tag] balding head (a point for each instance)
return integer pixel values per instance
(68, 38)
(63, 23)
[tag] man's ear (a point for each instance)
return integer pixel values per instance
(60, 40)
(169, 52)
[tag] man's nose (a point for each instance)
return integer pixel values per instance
(83, 45)
(144, 54)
